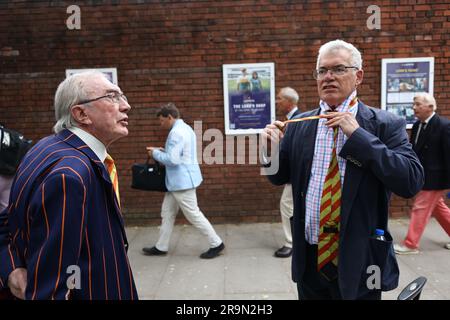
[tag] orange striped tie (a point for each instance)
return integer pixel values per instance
(109, 162)
(330, 212)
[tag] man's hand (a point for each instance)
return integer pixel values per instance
(272, 131)
(17, 282)
(150, 151)
(345, 120)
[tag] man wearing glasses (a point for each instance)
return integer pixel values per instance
(63, 236)
(343, 164)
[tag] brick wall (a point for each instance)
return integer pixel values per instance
(174, 51)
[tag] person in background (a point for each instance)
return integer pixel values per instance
(183, 176)
(13, 147)
(430, 138)
(5, 187)
(287, 100)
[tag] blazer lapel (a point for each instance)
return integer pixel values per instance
(414, 133)
(74, 141)
(353, 174)
(424, 133)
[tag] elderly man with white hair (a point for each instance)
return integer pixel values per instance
(431, 141)
(63, 236)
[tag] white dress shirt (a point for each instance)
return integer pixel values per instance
(92, 142)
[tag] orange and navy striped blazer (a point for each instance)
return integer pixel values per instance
(63, 216)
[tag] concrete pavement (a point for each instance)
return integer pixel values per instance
(248, 270)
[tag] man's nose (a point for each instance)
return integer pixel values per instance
(124, 106)
(328, 76)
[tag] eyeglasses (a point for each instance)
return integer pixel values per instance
(113, 96)
(336, 70)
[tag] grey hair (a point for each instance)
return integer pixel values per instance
(356, 59)
(428, 98)
(289, 94)
(70, 92)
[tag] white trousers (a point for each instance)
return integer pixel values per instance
(287, 211)
(186, 200)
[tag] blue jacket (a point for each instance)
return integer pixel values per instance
(63, 216)
(180, 158)
(380, 160)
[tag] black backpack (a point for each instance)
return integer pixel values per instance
(13, 147)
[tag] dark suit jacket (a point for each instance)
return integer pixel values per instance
(380, 160)
(296, 113)
(433, 149)
(63, 213)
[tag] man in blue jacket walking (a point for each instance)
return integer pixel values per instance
(183, 176)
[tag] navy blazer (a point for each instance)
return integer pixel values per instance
(433, 149)
(63, 216)
(380, 160)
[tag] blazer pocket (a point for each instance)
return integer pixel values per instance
(382, 255)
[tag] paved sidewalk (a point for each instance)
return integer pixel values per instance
(248, 270)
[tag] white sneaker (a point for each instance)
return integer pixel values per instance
(402, 249)
(447, 246)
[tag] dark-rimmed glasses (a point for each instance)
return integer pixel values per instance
(113, 96)
(336, 70)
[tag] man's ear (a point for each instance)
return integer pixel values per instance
(359, 77)
(79, 114)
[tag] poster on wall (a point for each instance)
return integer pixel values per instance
(401, 80)
(110, 73)
(249, 97)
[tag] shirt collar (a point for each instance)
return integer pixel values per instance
(291, 113)
(92, 142)
(429, 118)
(343, 107)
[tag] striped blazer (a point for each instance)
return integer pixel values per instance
(64, 225)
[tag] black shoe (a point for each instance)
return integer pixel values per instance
(283, 252)
(212, 252)
(153, 251)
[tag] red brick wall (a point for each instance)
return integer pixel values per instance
(174, 51)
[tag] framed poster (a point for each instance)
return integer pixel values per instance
(249, 97)
(401, 79)
(110, 73)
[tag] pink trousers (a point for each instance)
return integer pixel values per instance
(426, 204)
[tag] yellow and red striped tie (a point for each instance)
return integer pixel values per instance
(330, 209)
(109, 162)
(330, 212)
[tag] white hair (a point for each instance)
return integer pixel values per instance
(69, 93)
(356, 59)
(427, 98)
(289, 94)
